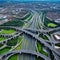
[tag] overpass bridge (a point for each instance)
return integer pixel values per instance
(31, 39)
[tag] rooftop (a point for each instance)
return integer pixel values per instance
(53, 16)
(57, 36)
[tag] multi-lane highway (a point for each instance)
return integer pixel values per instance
(29, 41)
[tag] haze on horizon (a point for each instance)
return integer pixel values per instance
(29, 0)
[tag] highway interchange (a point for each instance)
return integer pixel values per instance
(30, 31)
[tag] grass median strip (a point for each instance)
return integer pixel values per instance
(4, 50)
(2, 38)
(13, 57)
(51, 25)
(10, 31)
(39, 49)
(18, 47)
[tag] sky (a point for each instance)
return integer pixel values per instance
(29, 0)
